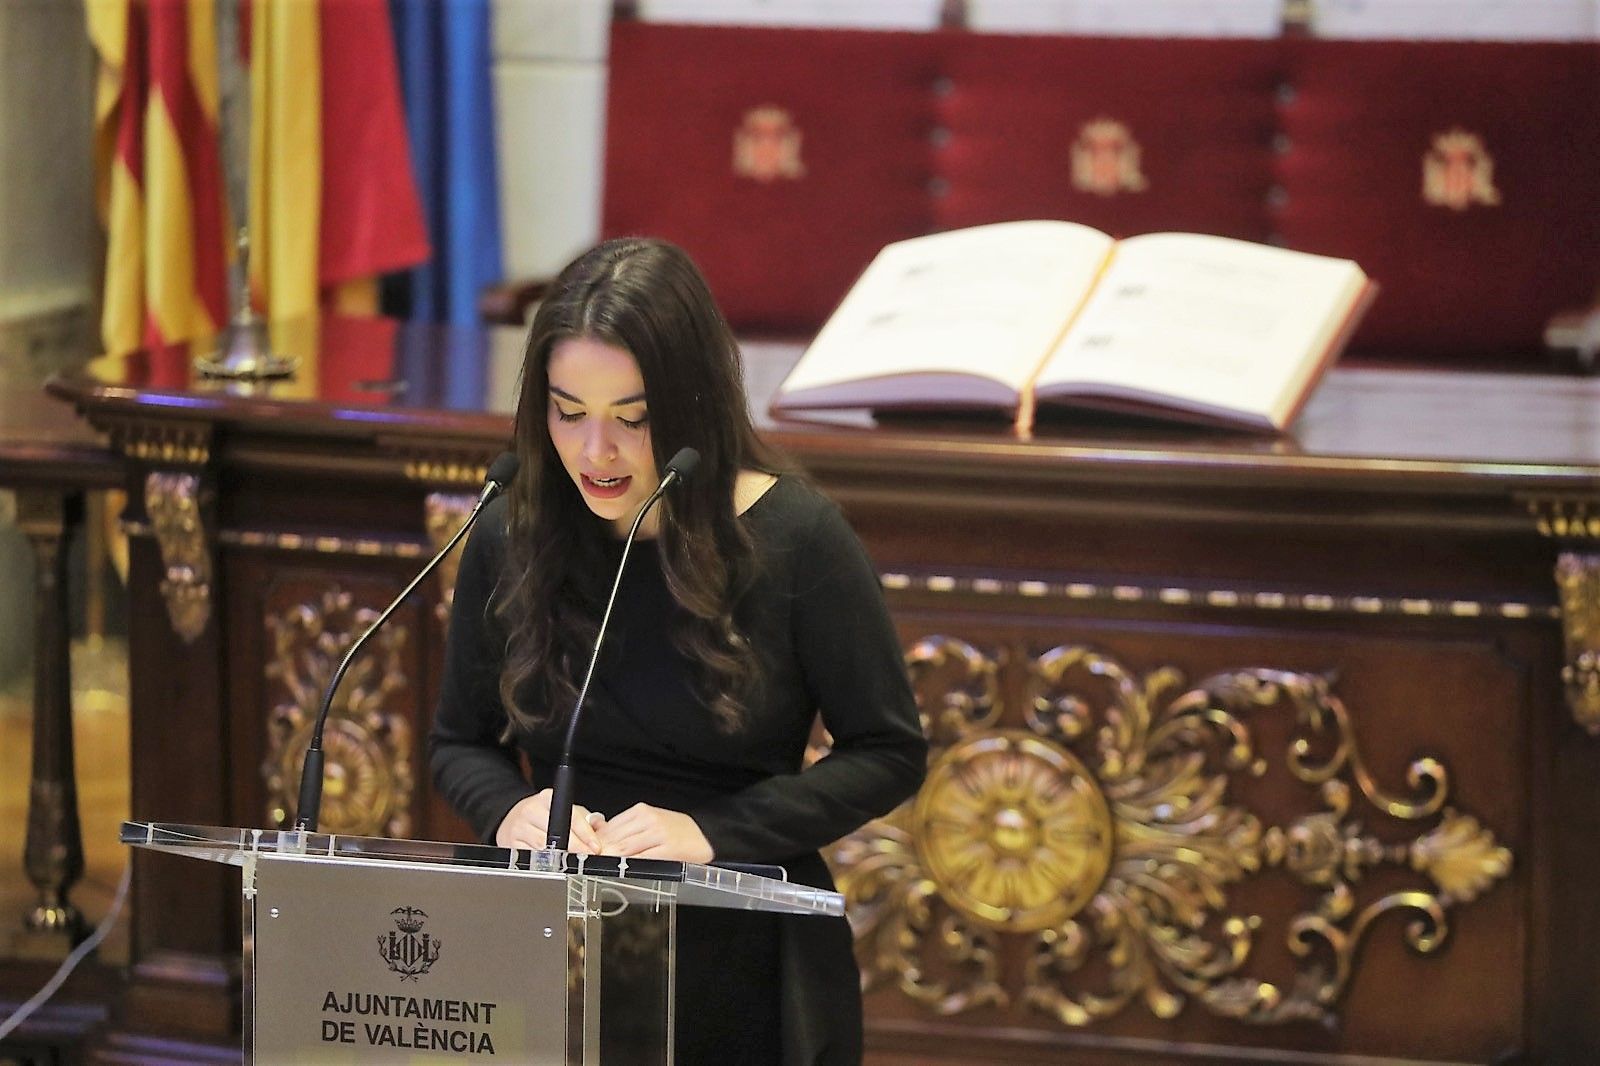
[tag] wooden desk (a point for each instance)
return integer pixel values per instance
(1268, 748)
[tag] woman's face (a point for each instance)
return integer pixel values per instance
(600, 427)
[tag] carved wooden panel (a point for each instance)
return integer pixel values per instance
(369, 783)
(1236, 837)
(293, 628)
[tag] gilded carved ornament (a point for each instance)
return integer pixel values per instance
(1287, 601)
(172, 500)
(368, 784)
(1105, 839)
(53, 858)
(1578, 584)
(1564, 517)
(444, 513)
(437, 463)
(154, 441)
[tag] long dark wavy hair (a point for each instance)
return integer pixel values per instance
(647, 298)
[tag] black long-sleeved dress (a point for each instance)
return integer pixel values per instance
(752, 987)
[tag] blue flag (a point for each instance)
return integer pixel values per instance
(444, 52)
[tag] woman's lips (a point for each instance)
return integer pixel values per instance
(605, 489)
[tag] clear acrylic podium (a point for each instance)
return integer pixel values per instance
(364, 949)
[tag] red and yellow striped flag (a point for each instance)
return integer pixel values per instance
(159, 171)
(332, 203)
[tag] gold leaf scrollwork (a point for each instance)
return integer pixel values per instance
(173, 502)
(957, 687)
(1103, 838)
(1323, 718)
(368, 781)
(1461, 857)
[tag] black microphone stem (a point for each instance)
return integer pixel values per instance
(310, 805)
(559, 823)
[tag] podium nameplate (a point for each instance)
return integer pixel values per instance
(407, 964)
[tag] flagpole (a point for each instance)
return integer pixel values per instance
(244, 350)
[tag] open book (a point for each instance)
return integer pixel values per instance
(1016, 315)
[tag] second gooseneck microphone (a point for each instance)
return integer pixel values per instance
(559, 825)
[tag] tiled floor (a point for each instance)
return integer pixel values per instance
(100, 739)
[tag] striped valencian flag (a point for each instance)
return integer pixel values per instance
(159, 171)
(331, 198)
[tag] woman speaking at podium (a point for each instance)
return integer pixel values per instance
(749, 608)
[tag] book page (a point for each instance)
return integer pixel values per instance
(1208, 322)
(987, 301)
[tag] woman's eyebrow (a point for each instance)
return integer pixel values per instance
(637, 397)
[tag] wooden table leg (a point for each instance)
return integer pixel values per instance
(53, 853)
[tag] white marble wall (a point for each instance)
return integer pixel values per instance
(47, 241)
(550, 88)
(1496, 20)
(1509, 20)
(847, 14)
(1122, 18)
(48, 235)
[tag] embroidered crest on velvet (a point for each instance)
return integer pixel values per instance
(1105, 159)
(766, 146)
(1458, 171)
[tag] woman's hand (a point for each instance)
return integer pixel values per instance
(527, 826)
(646, 832)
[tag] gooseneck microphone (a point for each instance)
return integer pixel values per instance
(559, 825)
(501, 471)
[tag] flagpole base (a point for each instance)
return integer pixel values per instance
(244, 354)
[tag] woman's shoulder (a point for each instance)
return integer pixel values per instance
(789, 500)
(794, 513)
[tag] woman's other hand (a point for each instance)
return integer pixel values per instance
(527, 825)
(646, 832)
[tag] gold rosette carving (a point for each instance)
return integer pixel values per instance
(368, 780)
(1105, 842)
(1014, 830)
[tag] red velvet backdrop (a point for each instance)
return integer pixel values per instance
(779, 246)
(783, 159)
